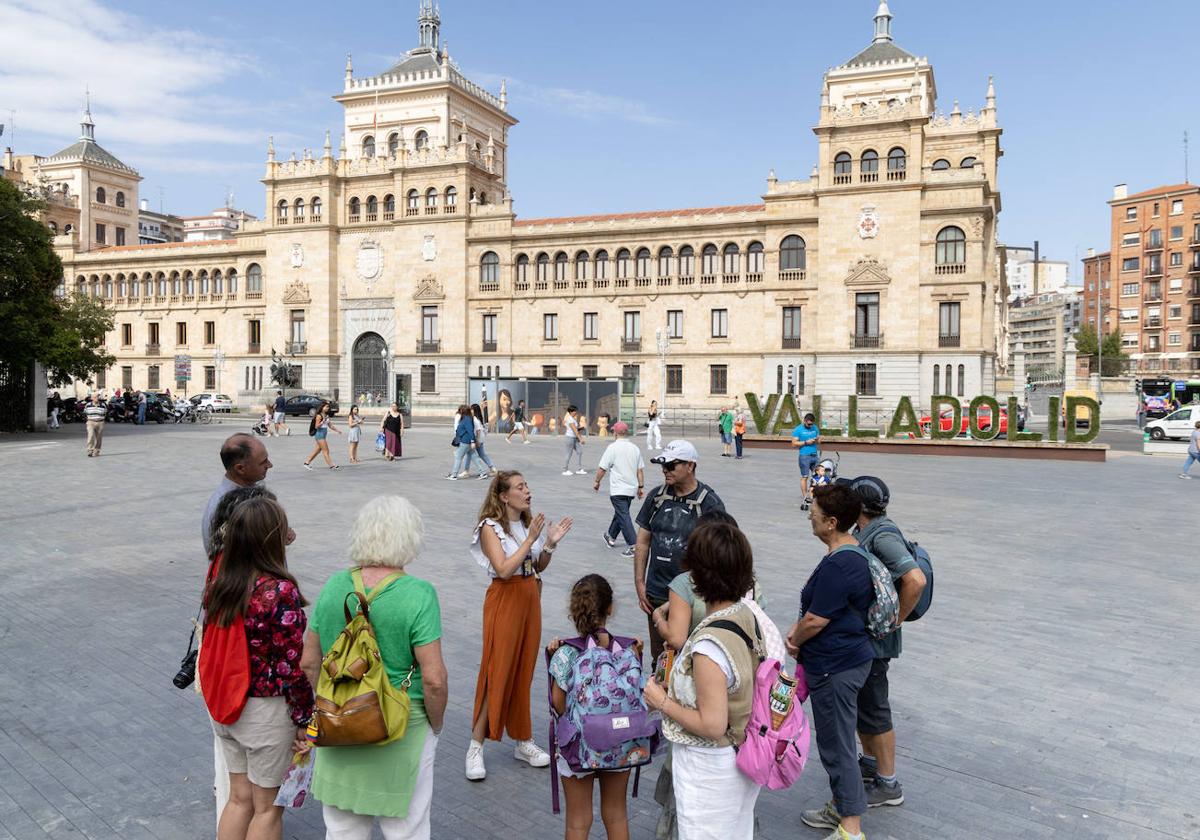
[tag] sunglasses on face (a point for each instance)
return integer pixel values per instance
(670, 465)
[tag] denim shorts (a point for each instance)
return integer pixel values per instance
(807, 464)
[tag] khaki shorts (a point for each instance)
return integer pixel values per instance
(259, 743)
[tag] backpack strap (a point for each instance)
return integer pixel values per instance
(726, 624)
(360, 592)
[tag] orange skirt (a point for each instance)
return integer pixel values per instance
(512, 635)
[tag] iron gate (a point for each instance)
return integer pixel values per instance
(14, 399)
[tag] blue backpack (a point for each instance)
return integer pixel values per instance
(924, 562)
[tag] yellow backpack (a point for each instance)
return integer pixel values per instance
(356, 702)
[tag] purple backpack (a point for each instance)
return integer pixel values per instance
(605, 724)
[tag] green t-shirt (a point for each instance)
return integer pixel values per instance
(404, 615)
(726, 421)
(681, 585)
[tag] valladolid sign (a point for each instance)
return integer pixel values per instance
(780, 415)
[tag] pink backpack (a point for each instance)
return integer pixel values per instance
(775, 759)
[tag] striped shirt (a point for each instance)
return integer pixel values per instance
(95, 412)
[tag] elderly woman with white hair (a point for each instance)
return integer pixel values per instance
(392, 782)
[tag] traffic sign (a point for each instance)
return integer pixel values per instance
(183, 368)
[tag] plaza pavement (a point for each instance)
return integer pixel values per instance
(1051, 692)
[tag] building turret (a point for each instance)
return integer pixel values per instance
(429, 23)
(87, 128)
(883, 23)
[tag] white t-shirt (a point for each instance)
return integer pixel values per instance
(621, 460)
(571, 424)
(713, 651)
(480, 433)
(508, 542)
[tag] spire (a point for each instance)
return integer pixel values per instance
(270, 149)
(504, 94)
(429, 22)
(326, 152)
(349, 68)
(883, 23)
(87, 128)
(991, 93)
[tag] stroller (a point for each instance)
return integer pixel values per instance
(261, 428)
(824, 473)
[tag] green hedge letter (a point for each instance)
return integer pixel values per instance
(992, 431)
(760, 415)
(935, 418)
(1053, 418)
(1074, 405)
(904, 421)
(789, 417)
(836, 433)
(1013, 433)
(853, 430)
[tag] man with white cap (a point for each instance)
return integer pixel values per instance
(665, 522)
(622, 463)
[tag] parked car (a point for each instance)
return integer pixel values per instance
(304, 405)
(946, 421)
(217, 402)
(1177, 425)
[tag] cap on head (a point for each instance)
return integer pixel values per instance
(871, 491)
(677, 450)
(620, 427)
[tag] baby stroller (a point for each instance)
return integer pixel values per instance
(824, 473)
(260, 428)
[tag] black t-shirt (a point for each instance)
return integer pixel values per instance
(518, 415)
(670, 525)
(279, 403)
(392, 424)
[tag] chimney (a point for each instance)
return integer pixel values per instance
(1091, 252)
(1120, 191)
(144, 205)
(8, 158)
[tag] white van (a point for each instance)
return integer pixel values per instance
(1176, 425)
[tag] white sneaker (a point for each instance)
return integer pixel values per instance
(530, 753)
(568, 472)
(580, 472)
(475, 769)
(525, 442)
(1184, 475)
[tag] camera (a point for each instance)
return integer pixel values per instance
(187, 670)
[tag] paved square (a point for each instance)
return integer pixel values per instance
(1053, 690)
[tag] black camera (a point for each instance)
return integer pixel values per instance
(187, 670)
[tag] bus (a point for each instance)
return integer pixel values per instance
(1160, 396)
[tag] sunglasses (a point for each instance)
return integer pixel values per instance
(670, 465)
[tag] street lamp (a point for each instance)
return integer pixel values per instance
(663, 341)
(1104, 308)
(387, 390)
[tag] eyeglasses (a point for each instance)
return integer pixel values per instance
(670, 465)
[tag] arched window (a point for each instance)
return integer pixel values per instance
(254, 278)
(316, 208)
(100, 195)
(708, 259)
(218, 283)
(298, 210)
(482, 198)
(602, 265)
(623, 263)
(842, 163)
(489, 269)
(412, 203)
(940, 165)
(233, 278)
(368, 146)
(69, 229)
(664, 261)
(389, 205)
(687, 261)
(421, 141)
(792, 254)
(642, 266)
(897, 160)
(281, 210)
(176, 284)
(868, 166)
(54, 228)
(962, 376)
(522, 268)
(949, 379)
(189, 283)
(203, 276)
(162, 284)
(451, 198)
(967, 163)
(951, 246)
(472, 196)
(355, 209)
(732, 262)
(560, 267)
(95, 286)
(779, 379)
(581, 265)
(393, 144)
(120, 199)
(543, 267)
(431, 197)
(937, 381)
(754, 258)
(120, 285)
(372, 208)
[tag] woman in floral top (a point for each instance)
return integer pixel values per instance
(252, 585)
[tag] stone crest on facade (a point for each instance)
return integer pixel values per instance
(369, 260)
(868, 223)
(428, 288)
(297, 292)
(297, 255)
(868, 272)
(429, 249)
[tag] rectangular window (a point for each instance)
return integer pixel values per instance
(591, 326)
(152, 377)
(791, 327)
(210, 333)
(1176, 232)
(550, 327)
(1176, 284)
(127, 335)
(1128, 289)
(489, 331)
(1129, 340)
(675, 323)
(948, 323)
(633, 326)
(1176, 259)
(631, 376)
(1130, 264)
(1131, 240)
(298, 331)
(864, 380)
(591, 371)
(120, 235)
(210, 377)
(718, 379)
(1154, 238)
(429, 327)
(181, 333)
(127, 376)
(1129, 314)
(428, 379)
(1130, 214)
(720, 325)
(1176, 206)
(102, 379)
(1175, 311)
(254, 335)
(1154, 264)
(1156, 211)
(550, 371)
(154, 334)
(674, 379)
(866, 314)
(100, 234)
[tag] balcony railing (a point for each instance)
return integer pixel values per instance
(431, 211)
(489, 285)
(152, 349)
(1153, 297)
(868, 177)
(424, 346)
(631, 345)
(641, 282)
(754, 277)
(281, 220)
(1153, 323)
(897, 174)
(841, 179)
(866, 341)
(298, 348)
(730, 279)
(1153, 246)
(354, 217)
(949, 340)
(450, 208)
(708, 279)
(389, 215)
(315, 218)
(1194, 242)
(1154, 271)
(950, 268)
(489, 346)
(254, 347)
(412, 211)
(791, 343)
(1194, 267)
(1194, 321)
(792, 275)
(372, 217)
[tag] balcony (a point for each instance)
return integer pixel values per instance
(866, 342)
(792, 275)
(296, 348)
(754, 277)
(152, 349)
(897, 174)
(1194, 268)
(372, 217)
(412, 211)
(730, 279)
(950, 268)
(489, 346)
(841, 179)
(1152, 246)
(868, 177)
(489, 285)
(1194, 291)
(686, 280)
(281, 220)
(664, 281)
(450, 208)
(1153, 296)
(354, 217)
(389, 215)
(315, 218)
(1154, 270)
(949, 340)
(425, 346)
(1194, 321)
(631, 345)
(791, 343)
(254, 347)
(641, 282)
(431, 211)
(1152, 323)
(708, 279)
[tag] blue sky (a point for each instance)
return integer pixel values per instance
(623, 105)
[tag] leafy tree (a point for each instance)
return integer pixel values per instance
(1087, 343)
(65, 335)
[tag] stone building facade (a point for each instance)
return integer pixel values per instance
(398, 261)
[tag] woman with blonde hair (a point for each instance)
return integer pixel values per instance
(514, 547)
(391, 782)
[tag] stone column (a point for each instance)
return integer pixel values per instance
(1069, 364)
(37, 397)
(1017, 367)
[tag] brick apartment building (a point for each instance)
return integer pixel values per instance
(1148, 283)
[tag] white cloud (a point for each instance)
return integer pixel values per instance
(148, 85)
(587, 104)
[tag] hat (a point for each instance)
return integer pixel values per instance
(677, 450)
(620, 428)
(872, 492)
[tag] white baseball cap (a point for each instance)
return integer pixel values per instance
(677, 450)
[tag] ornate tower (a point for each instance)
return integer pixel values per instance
(429, 22)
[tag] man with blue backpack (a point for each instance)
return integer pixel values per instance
(913, 576)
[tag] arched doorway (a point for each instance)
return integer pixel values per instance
(369, 367)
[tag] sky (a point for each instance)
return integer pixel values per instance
(623, 105)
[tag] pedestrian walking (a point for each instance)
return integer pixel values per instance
(830, 640)
(464, 443)
(141, 408)
(53, 407)
(129, 406)
(665, 520)
(725, 426)
(514, 547)
(391, 782)
(739, 430)
(392, 425)
(807, 439)
(519, 421)
(318, 429)
(96, 413)
(880, 536)
(481, 433)
(1193, 454)
(622, 463)
(281, 415)
(706, 705)
(653, 427)
(574, 442)
(354, 432)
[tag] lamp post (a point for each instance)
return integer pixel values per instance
(387, 388)
(1104, 308)
(663, 341)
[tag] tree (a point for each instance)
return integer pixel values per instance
(1087, 343)
(66, 335)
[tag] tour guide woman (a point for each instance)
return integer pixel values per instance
(514, 547)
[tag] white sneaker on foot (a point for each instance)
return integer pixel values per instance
(308, 467)
(580, 472)
(568, 472)
(531, 753)
(475, 769)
